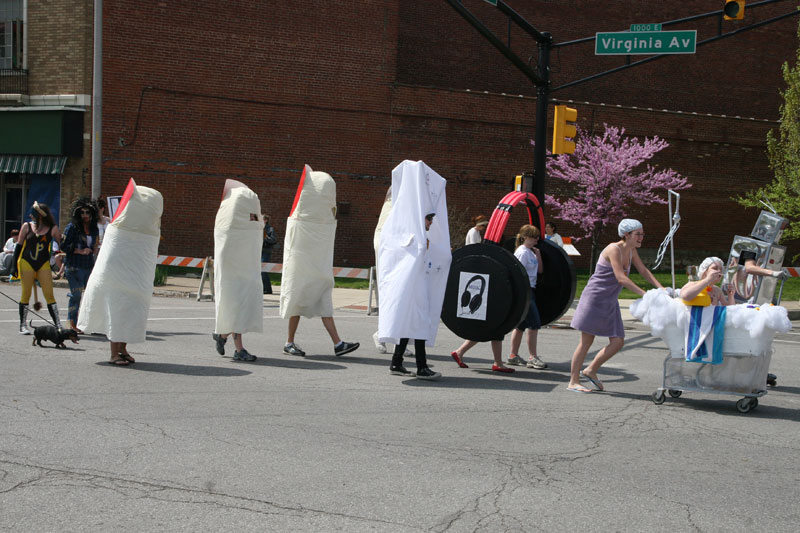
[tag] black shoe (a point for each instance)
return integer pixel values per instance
(427, 373)
(346, 347)
(220, 340)
(400, 371)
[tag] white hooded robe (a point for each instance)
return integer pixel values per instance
(238, 231)
(117, 297)
(413, 263)
(307, 279)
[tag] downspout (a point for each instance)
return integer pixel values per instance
(97, 100)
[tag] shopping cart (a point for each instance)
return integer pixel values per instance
(743, 371)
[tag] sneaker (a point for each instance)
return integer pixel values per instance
(293, 349)
(220, 340)
(535, 362)
(346, 347)
(381, 346)
(400, 371)
(427, 373)
(24, 329)
(244, 355)
(516, 360)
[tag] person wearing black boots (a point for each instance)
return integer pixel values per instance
(32, 262)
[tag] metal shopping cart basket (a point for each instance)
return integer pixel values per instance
(743, 371)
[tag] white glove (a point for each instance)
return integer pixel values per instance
(780, 274)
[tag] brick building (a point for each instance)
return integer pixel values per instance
(45, 92)
(197, 92)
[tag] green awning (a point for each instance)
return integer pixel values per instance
(33, 164)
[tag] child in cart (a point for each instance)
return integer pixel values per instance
(704, 291)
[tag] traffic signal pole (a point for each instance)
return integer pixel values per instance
(540, 138)
(540, 77)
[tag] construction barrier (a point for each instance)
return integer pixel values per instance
(794, 272)
(275, 268)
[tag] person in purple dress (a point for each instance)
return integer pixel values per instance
(598, 312)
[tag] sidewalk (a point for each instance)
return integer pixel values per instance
(358, 299)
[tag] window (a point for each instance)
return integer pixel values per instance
(11, 34)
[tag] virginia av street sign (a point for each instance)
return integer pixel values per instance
(625, 43)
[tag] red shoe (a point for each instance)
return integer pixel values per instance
(458, 360)
(503, 369)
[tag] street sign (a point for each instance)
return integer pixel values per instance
(623, 43)
(645, 27)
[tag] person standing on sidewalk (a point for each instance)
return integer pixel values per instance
(81, 238)
(530, 257)
(414, 261)
(238, 232)
(268, 243)
(307, 280)
(598, 312)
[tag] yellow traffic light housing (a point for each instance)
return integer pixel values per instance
(564, 129)
(733, 10)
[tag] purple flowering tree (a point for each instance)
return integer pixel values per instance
(607, 175)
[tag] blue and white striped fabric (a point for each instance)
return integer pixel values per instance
(705, 334)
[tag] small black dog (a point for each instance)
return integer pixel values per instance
(56, 336)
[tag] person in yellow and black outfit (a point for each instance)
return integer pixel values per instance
(32, 262)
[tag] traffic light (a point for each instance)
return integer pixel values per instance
(564, 129)
(733, 10)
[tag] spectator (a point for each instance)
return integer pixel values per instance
(475, 234)
(102, 218)
(7, 256)
(268, 243)
(81, 239)
(551, 235)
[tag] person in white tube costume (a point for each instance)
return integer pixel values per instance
(117, 297)
(414, 261)
(238, 300)
(307, 279)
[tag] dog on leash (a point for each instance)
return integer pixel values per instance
(54, 335)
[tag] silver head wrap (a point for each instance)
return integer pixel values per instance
(706, 264)
(628, 225)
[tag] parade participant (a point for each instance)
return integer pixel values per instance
(551, 235)
(117, 297)
(32, 262)
(705, 291)
(414, 261)
(238, 304)
(475, 234)
(376, 242)
(598, 312)
(530, 257)
(81, 238)
(307, 279)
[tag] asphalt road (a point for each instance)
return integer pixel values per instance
(186, 440)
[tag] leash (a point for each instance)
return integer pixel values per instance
(29, 309)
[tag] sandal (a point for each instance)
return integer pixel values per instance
(127, 357)
(118, 362)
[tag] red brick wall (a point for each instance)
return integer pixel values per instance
(194, 95)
